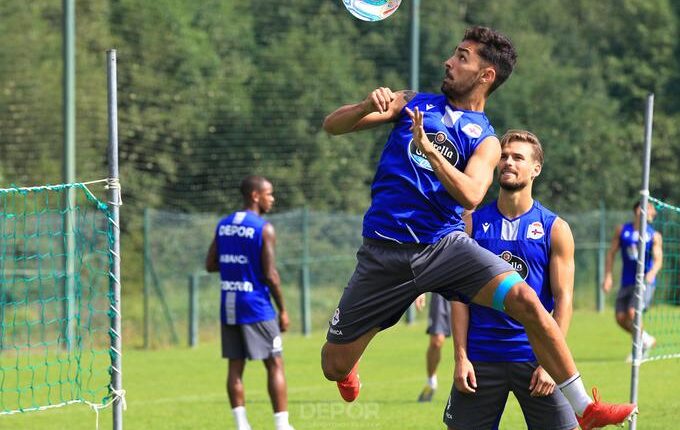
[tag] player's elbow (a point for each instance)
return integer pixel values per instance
(330, 127)
(472, 200)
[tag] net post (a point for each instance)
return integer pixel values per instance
(415, 80)
(640, 272)
(69, 118)
(601, 255)
(146, 281)
(114, 201)
(194, 280)
(305, 305)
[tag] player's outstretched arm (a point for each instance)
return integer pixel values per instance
(464, 373)
(609, 260)
(380, 106)
(271, 275)
(211, 263)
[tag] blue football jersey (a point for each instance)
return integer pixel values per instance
(629, 240)
(524, 242)
(245, 295)
(408, 202)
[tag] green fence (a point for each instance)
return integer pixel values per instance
(315, 253)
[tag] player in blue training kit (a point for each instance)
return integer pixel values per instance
(438, 160)
(243, 252)
(492, 352)
(627, 238)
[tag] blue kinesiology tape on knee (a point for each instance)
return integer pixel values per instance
(503, 288)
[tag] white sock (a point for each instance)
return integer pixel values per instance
(646, 338)
(281, 420)
(432, 382)
(575, 393)
(240, 418)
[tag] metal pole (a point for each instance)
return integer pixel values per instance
(193, 309)
(640, 273)
(146, 281)
(601, 255)
(115, 202)
(304, 274)
(69, 173)
(415, 79)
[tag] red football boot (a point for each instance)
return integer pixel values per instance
(600, 414)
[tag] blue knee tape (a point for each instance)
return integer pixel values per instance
(503, 288)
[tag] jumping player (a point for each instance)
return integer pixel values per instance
(439, 159)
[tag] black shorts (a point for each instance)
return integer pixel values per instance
(482, 410)
(389, 276)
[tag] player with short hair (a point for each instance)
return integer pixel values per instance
(491, 350)
(438, 160)
(627, 238)
(243, 252)
(438, 328)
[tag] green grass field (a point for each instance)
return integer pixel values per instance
(184, 389)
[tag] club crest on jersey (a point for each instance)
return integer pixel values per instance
(473, 130)
(517, 263)
(336, 317)
(441, 143)
(535, 230)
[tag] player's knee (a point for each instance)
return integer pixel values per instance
(437, 341)
(332, 365)
(522, 303)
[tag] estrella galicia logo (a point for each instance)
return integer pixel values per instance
(517, 263)
(441, 143)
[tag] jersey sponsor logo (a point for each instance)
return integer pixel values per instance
(429, 106)
(486, 226)
(336, 317)
(233, 259)
(441, 143)
(243, 286)
(472, 130)
(236, 230)
(535, 230)
(517, 263)
(239, 217)
(451, 117)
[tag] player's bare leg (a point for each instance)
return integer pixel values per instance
(235, 383)
(276, 383)
(236, 393)
(340, 361)
(432, 358)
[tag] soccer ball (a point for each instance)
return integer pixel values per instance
(371, 10)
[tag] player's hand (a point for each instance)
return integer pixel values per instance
(541, 383)
(284, 322)
(607, 283)
(464, 377)
(419, 136)
(379, 100)
(420, 302)
(649, 278)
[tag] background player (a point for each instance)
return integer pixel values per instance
(627, 238)
(243, 252)
(439, 328)
(492, 352)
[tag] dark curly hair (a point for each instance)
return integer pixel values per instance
(496, 49)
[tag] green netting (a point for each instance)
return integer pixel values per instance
(662, 319)
(176, 245)
(54, 344)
